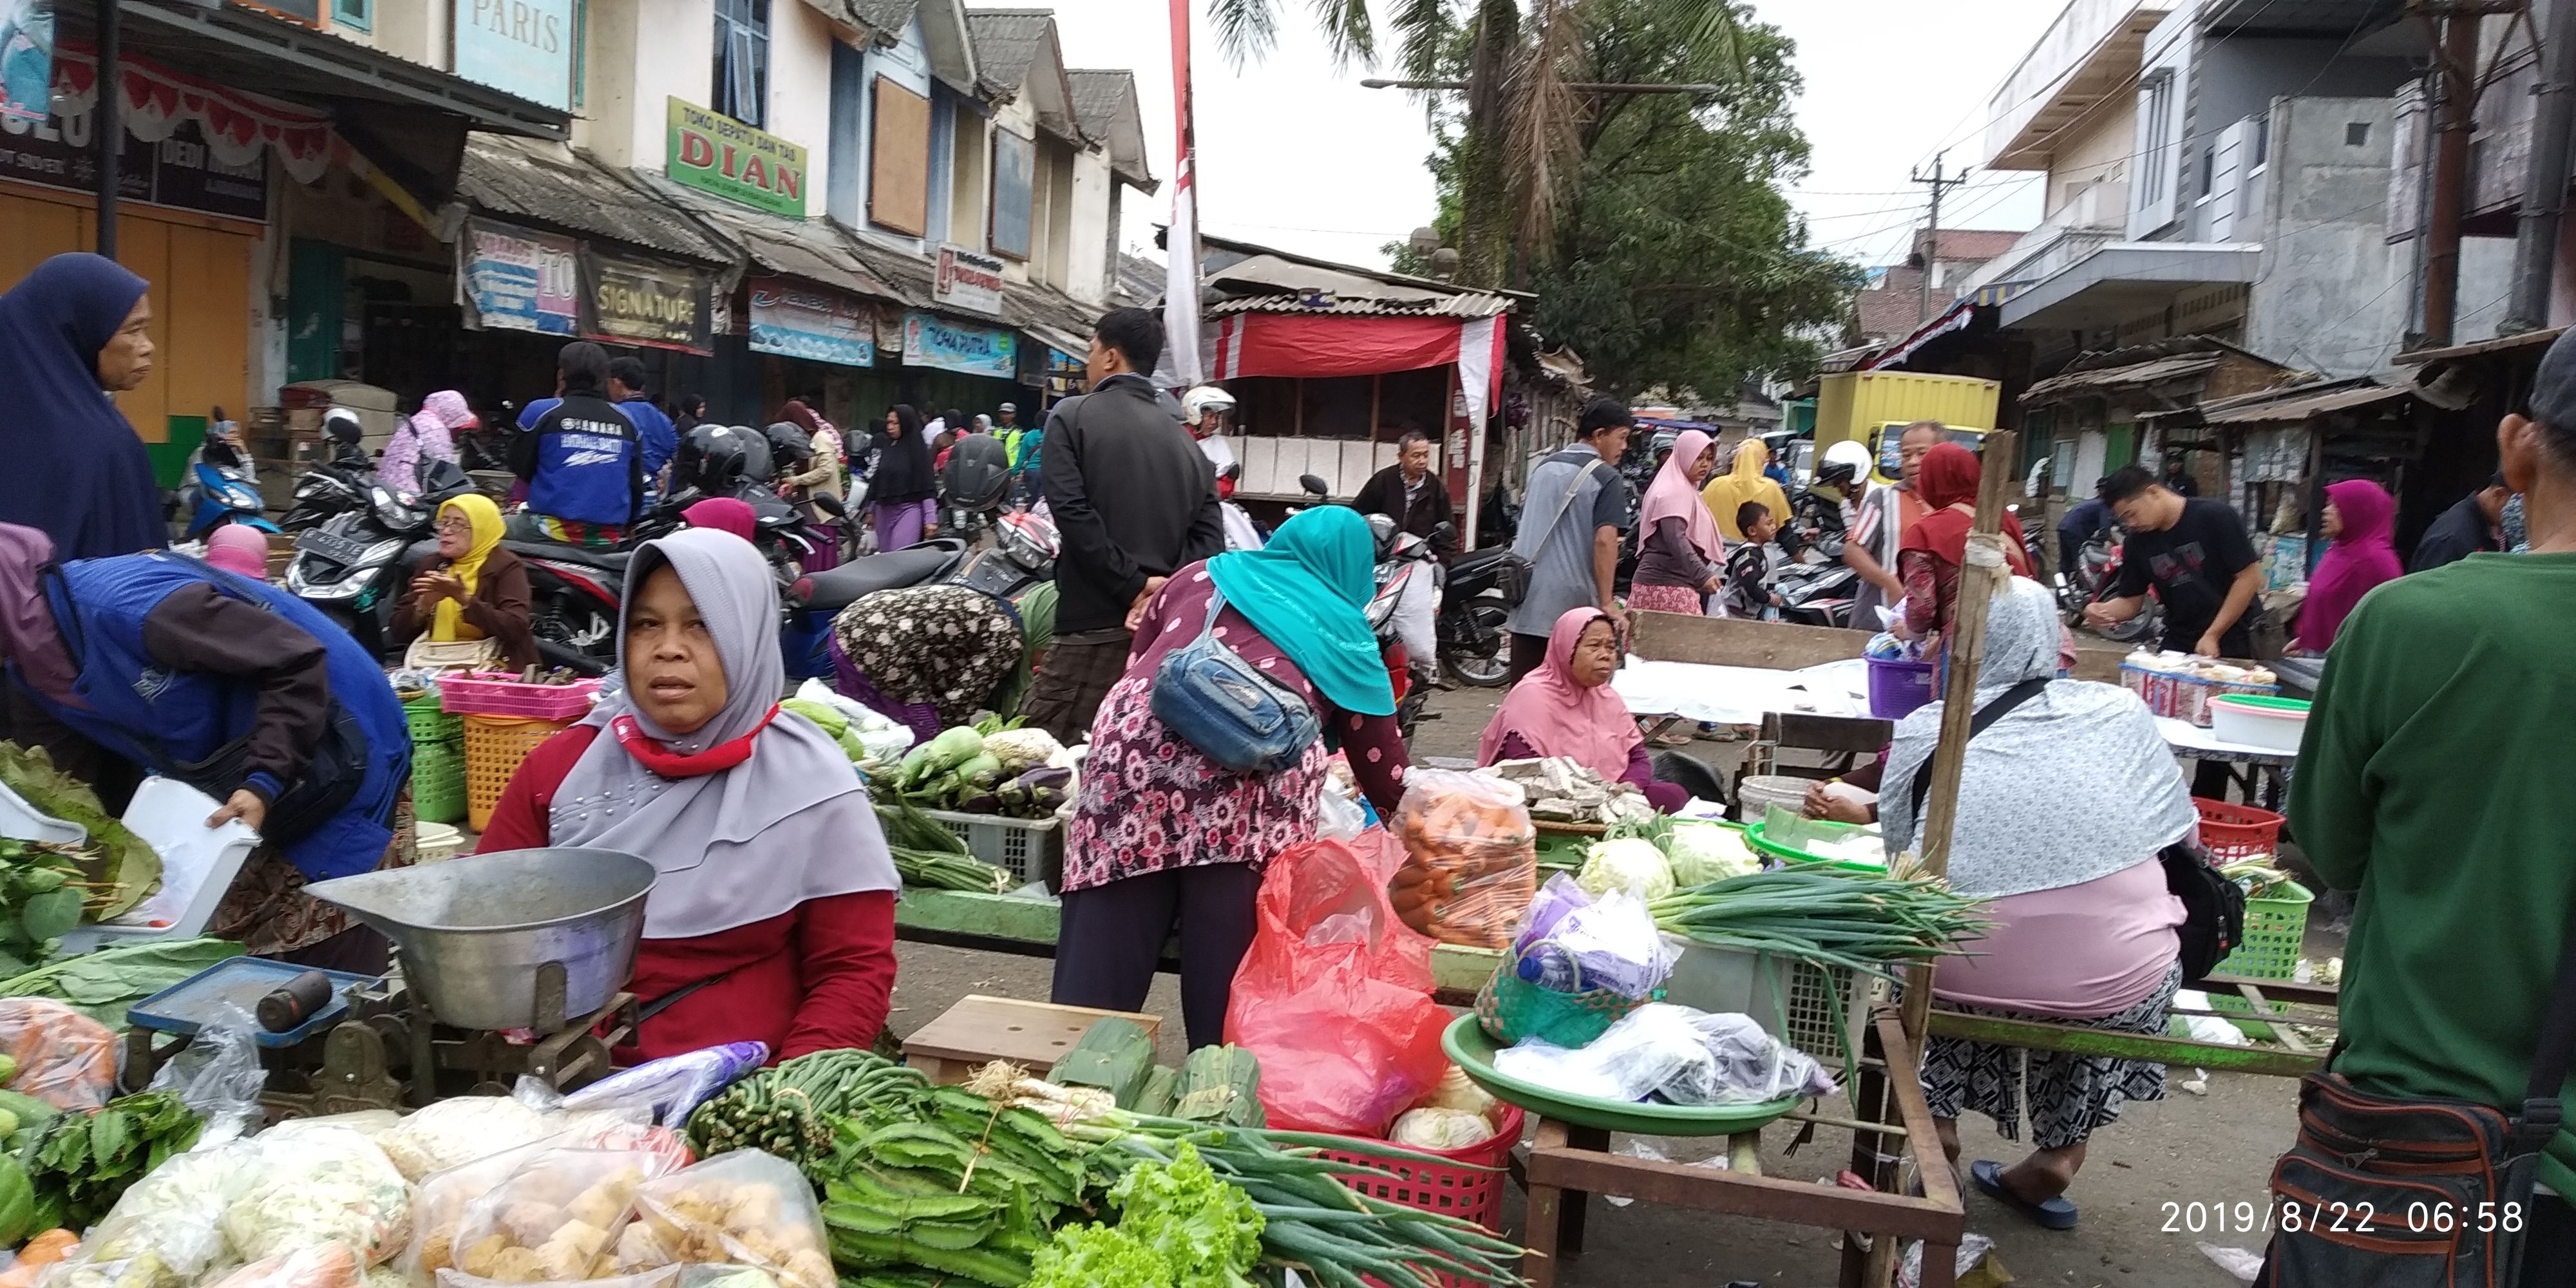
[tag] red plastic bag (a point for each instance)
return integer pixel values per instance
(1334, 996)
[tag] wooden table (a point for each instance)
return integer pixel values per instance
(1569, 1164)
(1028, 928)
(980, 1029)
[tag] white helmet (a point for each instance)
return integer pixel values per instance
(1848, 458)
(1198, 402)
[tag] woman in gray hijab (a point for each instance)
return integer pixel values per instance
(772, 919)
(2064, 803)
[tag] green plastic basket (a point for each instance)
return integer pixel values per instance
(429, 724)
(438, 783)
(2276, 928)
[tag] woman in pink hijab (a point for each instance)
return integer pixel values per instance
(2359, 519)
(724, 514)
(1679, 547)
(1566, 708)
(429, 435)
(238, 547)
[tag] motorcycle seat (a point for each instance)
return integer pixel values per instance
(1476, 559)
(612, 562)
(838, 588)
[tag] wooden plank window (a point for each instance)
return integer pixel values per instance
(899, 173)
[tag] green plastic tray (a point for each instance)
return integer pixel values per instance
(1754, 833)
(1473, 1051)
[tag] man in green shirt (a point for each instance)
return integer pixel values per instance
(2434, 781)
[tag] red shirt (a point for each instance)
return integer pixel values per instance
(817, 977)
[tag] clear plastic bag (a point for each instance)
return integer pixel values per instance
(448, 1132)
(1330, 956)
(320, 1185)
(670, 1087)
(169, 1226)
(557, 1216)
(667, 1278)
(439, 1204)
(1610, 943)
(320, 1265)
(218, 1076)
(65, 1058)
(746, 1208)
(1674, 1053)
(1469, 836)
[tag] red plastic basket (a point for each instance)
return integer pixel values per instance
(1466, 1190)
(2232, 833)
(500, 694)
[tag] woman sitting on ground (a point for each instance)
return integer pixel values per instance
(2064, 805)
(773, 919)
(470, 588)
(1566, 708)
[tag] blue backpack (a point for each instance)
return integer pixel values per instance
(1223, 705)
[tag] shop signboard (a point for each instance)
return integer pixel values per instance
(639, 301)
(521, 47)
(26, 59)
(951, 346)
(716, 153)
(519, 280)
(967, 280)
(799, 321)
(180, 171)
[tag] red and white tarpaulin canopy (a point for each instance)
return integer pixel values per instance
(1342, 344)
(236, 125)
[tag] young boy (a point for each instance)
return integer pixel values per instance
(1748, 568)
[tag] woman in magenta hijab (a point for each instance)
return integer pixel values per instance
(1566, 708)
(2359, 519)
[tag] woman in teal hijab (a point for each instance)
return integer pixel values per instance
(1164, 838)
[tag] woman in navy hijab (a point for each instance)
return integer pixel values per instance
(71, 333)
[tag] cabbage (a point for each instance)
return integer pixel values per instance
(1705, 852)
(1629, 863)
(1441, 1129)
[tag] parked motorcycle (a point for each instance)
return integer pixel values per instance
(814, 599)
(1406, 571)
(2147, 625)
(353, 565)
(1483, 588)
(222, 485)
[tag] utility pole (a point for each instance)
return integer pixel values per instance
(1932, 231)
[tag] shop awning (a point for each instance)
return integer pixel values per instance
(808, 248)
(2124, 279)
(2520, 340)
(551, 184)
(1315, 345)
(2134, 375)
(2277, 406)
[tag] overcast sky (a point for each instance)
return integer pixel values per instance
(1295, 154)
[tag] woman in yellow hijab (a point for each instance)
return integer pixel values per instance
(471, 588)
(1727, 493)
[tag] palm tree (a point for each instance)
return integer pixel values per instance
(1530, 114)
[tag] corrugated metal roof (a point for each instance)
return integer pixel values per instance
(1268, 283)
(812, 249)
(2503, 342)
(1006, 45)
(1326, 303)
(2135, 374)
(2278, 405)
(553, 184)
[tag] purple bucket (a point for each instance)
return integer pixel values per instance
(1897, 687)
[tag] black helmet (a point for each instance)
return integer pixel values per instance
(790, 447)
(717, 459)
(978, 472)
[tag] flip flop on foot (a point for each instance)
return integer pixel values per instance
(2055, 1214)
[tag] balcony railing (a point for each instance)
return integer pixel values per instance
(2093, 218)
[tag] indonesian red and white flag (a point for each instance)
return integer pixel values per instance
(1182, 365)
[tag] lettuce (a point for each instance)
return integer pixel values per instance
(1083, 1256)
(1206, 1230)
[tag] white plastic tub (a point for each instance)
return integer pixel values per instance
(2274, 724)
(198, 864)
(20, 820)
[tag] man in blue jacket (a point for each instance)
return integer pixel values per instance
(582, 460)
(652, 428)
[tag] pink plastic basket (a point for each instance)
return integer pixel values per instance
(491, 694)
(1473, 1189)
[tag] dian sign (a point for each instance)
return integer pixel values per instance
(521, 47)
(721, 155)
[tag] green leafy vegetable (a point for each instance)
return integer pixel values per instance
(1207, 1231)
(102, 984)
(119, 865)
(86, 1161)
(1082, 1256)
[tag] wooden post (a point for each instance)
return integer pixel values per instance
(1985, 572)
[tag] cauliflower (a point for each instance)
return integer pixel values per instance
(1628, 863)
(1021, 749)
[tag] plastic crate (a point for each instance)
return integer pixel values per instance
(494, 746)
(438, 782)
(2235, 833)
(1791, 1000)
(491, 694)
(1030, 849)
(429, 722)
(1471, 1190)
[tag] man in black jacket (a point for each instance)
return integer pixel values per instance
(1133, 499)
(1407, 493)
(2472, 525)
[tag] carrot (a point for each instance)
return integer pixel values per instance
(46, 1249)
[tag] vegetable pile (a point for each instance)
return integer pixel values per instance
(988, 768)
(1831, 918)
(101, 984)
(926, 854)
(113, 871)
(84, 1162)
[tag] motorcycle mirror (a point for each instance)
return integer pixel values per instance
(1314, 486)
(832, 506)
(1443, 530)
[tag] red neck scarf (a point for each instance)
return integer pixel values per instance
(676, 764)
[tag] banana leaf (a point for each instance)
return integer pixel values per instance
(120, 865)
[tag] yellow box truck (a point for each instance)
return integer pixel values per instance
(1874, 407)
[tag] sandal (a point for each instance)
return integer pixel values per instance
(2055, 1214)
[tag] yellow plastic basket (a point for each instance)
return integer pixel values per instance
(494, 746)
